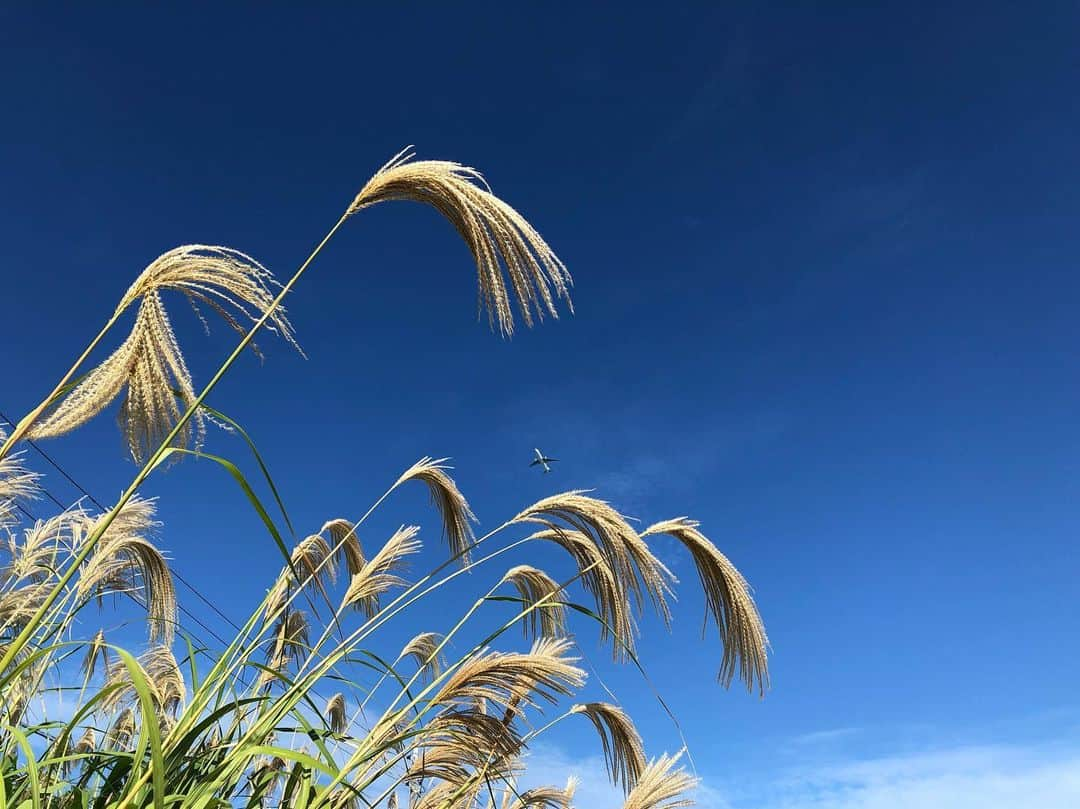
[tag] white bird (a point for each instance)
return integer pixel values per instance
(543, 461)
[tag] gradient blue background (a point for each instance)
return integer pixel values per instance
(826, 292)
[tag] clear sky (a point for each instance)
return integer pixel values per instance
(826, 291)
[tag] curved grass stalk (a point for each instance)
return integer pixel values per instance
(25, 423)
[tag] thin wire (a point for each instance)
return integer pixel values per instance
(176, 573)
(172, 567)
(31, 516)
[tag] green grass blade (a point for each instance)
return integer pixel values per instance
(217, 414)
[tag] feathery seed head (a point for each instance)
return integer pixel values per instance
(547, 619)
(122, 731)
(346, 544)
(635, 567)
(424, 651)
(497, 236)
(617, 620)
(166, 680)
(16, 483)
(291, 642)
(313, 561)
(380, 573)
(125, 559)
(150, 364)
(336, 719)
(728, 599)
(548, 797)
(661, 786)
(624, 753)
(452, 505)
(480, 736)
(162, 674)
(87, 743)
(18, 605)
(96, 651)
(514, 679)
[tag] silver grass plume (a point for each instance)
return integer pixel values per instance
(624, 753)
(380, 573)
(497, 236)
(549, 797)
(313, 561)
(291, 642)
(452, 505)
(87, 743)
(162, 673)
(634, 565)
(661, 786)
(96, 652)
(18, 605)
(150, 364)
(121, 732)
(446, 794)
(16, 483)
(514, 679)
(617, 620)
(424, 651)
(730, 603)
(336, 719)
(44, 545)
(483, 735)
(548, 620)
(126, 560)
(345, 544)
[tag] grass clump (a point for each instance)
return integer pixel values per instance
(304, 707)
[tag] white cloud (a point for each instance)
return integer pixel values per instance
(991, 777)
(967, 777)
(822, 737)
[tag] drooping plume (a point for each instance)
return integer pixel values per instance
(541, 595)
(573, 520)
(126, 559)
(424, 651)
(345, 544)
(729, 602)
(624, 753)
(336, 719)
(446, 496)
(498, 237)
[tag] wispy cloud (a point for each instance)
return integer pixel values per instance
(639, 473)
(1046, 776)
(822, 737)
(986, 777)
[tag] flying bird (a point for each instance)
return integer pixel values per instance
(543, 461)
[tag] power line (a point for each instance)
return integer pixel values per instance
(31, 516)
(52, 462)
(98, 503)
(55, 464)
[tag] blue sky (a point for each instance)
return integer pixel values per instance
(826, 287)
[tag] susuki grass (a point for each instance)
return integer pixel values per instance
(307, 705)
